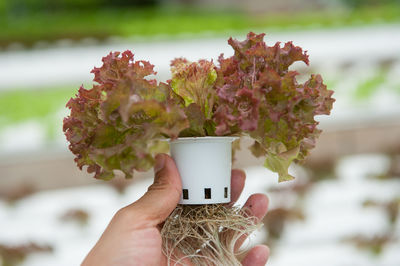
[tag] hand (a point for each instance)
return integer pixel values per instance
(133, 235)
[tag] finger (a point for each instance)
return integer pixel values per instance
(162, 196)
(257, 256)
(238, 178)
(256, 206)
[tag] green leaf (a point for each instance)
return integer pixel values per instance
(280, 163)
(194, 82)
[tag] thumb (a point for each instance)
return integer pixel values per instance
(162, 196)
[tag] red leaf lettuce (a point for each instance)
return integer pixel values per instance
(118, 123)
(259, 96)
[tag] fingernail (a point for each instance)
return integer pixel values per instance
(160, 161)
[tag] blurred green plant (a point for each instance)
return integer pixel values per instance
(13, 195)
(396, 87)
(20, 105)
(29, 26)
(16, 255)
(367, 87)
(391, 208)
(276, 220)
(393, 171)
(43, 106)
(374, 3)
(28, 6)
(375, 244)
(78, 216)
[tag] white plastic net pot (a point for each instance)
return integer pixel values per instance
(204, 164)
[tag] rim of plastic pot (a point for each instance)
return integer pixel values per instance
(204, 139)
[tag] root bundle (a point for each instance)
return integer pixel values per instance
(205, 234)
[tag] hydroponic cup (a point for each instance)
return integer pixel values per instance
(204, 164)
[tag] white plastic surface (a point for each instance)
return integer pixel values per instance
(204, 164)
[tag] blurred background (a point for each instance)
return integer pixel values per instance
(343, 208)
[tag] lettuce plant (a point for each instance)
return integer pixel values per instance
(120, 122)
